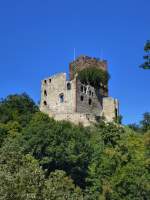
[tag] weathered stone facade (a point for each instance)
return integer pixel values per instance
(71, 100)
(110, 108)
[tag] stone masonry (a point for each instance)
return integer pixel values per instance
(73, 101)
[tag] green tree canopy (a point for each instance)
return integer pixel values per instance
(18, 108)
(60, 187)
(93, 76)
(43, 159)
(58, 145)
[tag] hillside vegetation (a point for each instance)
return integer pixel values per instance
(42, 159)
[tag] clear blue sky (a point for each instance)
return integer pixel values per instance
(37, 38)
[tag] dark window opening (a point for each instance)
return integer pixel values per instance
(116, 113)
(45, 103)
(45, 93)
(68, 86)
(81, 88)
(50, 80)
(85, 89)
(45, 81)
(90, 92)
(90, 101)
(61, 98)
(82, 98)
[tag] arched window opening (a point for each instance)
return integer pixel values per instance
(61, 98)
(82, 98)
(90, 101)
(45, 103)
(90, 92)
(68, 86)
(85, 89)
(45, 81)
(45, 93)
(50, 80)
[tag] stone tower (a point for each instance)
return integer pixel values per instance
(71, 100)
(83, 62)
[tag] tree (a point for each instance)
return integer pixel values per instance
(104, 160)
(146, 64)
(21, 178)
(131, 178)
(18, 108)
(42, 159)
(11, 129)
(145, 123)
(135, 127)
(58, 145)
(120, 169)
(59, 186)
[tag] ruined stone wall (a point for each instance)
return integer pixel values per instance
(110, 108)
(77, 118)
(58, 95)
(87, 100)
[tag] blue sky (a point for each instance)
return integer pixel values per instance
(37, 38)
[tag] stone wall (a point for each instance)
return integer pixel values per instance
(58, 95)
(110, 108)
(87, 100)
(77, 118)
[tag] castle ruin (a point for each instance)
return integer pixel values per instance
(74, 101)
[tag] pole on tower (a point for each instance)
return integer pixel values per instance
(74, 54)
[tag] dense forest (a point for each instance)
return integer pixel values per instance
(42, 159)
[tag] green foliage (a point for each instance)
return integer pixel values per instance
(18, 108)
(3, 133)
(23, 179)
(110, 133)
(135, 127)
(20, 175)
(11, 129)
(143, 126)
(145, 123)
(131, 182)
(93, 76)
(58, 145)
(146, 57)
(59, 186)
(43, 159)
